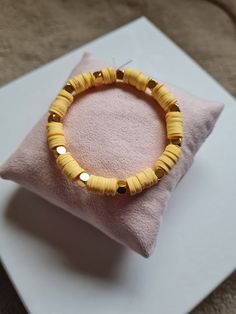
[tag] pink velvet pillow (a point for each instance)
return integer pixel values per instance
(113, 131)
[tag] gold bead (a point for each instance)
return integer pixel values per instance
(83, 178)
(53, 117)
(119, 74)
(60, 150)
(174, 107)
(70, 89)
(98, 78)
(176, 141)
(152, 83)
(159, 173)
(122, 187)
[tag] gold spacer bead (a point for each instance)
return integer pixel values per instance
(53, 117)
(160, 173)
(60, 150)
(176, 141)
(174, 107)
(122, 187)
(152, 83)
(119, 74)
(70, 89)
(83, 178)
(98, 78)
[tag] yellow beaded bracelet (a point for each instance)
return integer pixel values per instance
(111, 186)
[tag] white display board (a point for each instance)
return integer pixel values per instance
(59, 264)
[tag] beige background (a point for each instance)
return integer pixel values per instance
(35, 32)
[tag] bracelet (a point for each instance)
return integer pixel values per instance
(111, 186)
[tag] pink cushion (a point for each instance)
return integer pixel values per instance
(113, 131)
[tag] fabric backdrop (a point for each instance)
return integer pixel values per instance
(33, 33)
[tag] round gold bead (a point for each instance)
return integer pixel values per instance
(119, 74)
(60, 150)
(176, 141)
(174, 107)
(122, 187)
(53, 117)
(70, 89)
(159, 173)
(98, 77)
(83, 178)
(152, 83)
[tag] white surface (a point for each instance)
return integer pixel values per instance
(61, 265)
